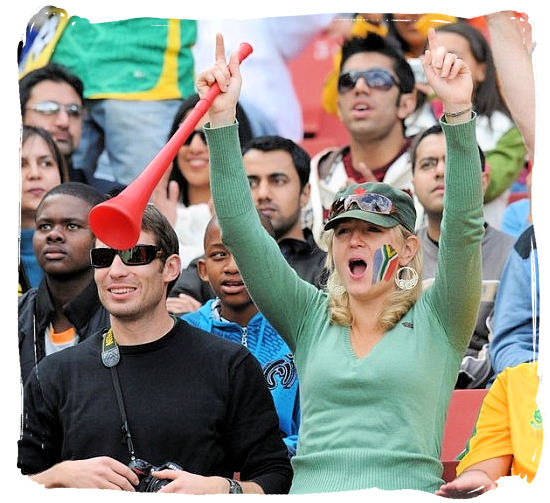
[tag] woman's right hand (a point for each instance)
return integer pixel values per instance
(223, 109)
(449, 77)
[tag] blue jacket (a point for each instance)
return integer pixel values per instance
(275, 358)
(516, 315)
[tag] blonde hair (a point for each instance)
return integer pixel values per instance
(399, 302)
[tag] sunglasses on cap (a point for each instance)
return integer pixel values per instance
(138, 255)
(199, 132)
(53, 108)
(373, 203)
(376, 78)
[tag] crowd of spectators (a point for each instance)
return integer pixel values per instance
(99, 100)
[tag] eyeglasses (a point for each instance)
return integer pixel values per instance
(373, 203)
(376, 78)
(200, 132)
(53, 108)
(138, 255)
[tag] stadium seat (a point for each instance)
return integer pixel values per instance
(331, 126)
(459, 425)
(309, 71)
(316, 144)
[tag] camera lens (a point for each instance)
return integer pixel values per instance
(156, 485)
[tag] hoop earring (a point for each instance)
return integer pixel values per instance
(406, 284)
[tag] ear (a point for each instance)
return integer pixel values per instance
(480, 73)
(201, 269)
(172, 268)
(408, 250)
(485, 179)
(338, 105)
(304, 195)
(406, 104)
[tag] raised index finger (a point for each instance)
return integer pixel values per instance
(220, 47)
(433, 42)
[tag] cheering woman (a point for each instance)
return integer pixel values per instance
(377, 358)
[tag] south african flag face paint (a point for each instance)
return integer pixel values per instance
(384, 264)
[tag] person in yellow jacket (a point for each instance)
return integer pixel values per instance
(507, 438)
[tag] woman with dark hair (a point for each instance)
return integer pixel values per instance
(190, 169)
(496, 132)
(178, 172)
(470, 44)
(404, 29)
(42, 168)
(377, 357)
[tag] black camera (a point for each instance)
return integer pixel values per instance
(148, 483)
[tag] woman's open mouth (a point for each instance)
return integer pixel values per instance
(357, 268)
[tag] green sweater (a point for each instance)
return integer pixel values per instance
(375, 421)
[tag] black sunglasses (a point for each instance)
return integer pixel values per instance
(200, 132)
(376, 78)
(138, 255)
(53, 108)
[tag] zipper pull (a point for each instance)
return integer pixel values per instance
(244, 340)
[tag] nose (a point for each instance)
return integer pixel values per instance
(262, 191)
(361, 86)
(356, 238)
(62, 118)
(118, 268)
(440, 168)
(55, 234)
(33, 171)
(197, 145)
(231, 266)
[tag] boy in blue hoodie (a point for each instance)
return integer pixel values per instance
(233, 316)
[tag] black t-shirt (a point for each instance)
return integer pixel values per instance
(190, 397)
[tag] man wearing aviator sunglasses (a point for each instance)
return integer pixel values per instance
(375, 96)
(52, 98)
(183, 396)
(54, 107)
(375, 78)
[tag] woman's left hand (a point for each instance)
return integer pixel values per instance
(449, 76)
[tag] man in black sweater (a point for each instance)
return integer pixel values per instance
(181, 395)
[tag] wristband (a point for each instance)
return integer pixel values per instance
(457, 114)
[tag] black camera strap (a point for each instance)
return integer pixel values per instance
(110, 356)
